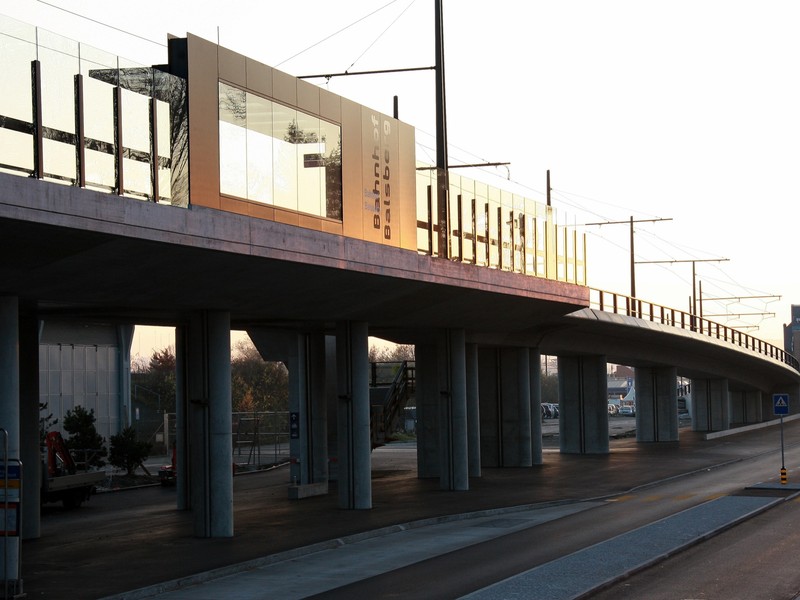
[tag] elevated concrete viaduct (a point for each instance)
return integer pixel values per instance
(185, 232)
(82, 255)
(731, 384)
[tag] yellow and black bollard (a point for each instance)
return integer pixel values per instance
(784, 479)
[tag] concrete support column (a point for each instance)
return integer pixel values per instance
(355, 446)
(124, 342)
(209, 421)
(317, 381)
(535, 371)
(331, 407)
(300, 452)
(583, 404)
(473, 411)
(9, 414)
(710, 405)
(427, 392)
(30, 452)
(9, 373)
(507, 407)
(491, 407)
(453, 447)
(308, 444)
(181, 442)
(656, 404)
(524, 399)
(746, 406)
(305, 358)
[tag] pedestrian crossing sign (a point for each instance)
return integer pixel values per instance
(780, 404)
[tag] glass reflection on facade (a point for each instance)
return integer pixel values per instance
(498, 229)
(75, 115)
(275, 154)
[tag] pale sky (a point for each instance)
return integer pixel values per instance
(683, 109)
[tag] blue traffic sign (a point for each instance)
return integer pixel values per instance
(780, 404)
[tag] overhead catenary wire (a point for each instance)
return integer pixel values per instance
(342, 30)
(375, 41)
(101, 23)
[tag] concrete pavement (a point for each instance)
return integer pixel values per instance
(590, 569)
(280, 532)
(292, 576)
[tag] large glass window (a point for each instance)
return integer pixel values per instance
(278, 155)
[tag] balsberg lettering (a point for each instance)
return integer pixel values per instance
(387, 188)
(376, 171)
(381, 172)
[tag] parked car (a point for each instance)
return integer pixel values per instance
(627, 411)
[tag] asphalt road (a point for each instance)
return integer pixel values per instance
(742, 569)
(754, 560)
(124, 541)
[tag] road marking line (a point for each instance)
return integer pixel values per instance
(685, 496)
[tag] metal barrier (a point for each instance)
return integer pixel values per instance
(641, 309)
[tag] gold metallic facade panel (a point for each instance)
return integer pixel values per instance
(274, 147)
(406, 209)
(232, 66)
(380, 147)
(330, 106)
(352, 169)
(259, 78)
(308, 97)
(284, 88)
(203, 128)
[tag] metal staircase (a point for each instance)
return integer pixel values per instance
(385, 416)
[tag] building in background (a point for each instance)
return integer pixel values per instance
(791, 332)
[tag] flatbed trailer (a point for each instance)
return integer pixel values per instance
(71, 490)
(61, 481)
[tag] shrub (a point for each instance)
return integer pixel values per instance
(84, 441)
(127, 452)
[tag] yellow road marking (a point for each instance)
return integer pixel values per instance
(624, 498)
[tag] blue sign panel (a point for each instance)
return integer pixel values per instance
(780, 404)
(10, 485)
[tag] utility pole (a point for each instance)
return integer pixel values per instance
(633, 264)
(630, 222)
(442, 176)
(442, 167)
(694, 261)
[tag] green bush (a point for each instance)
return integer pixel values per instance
(86, 445)
(127, 452)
